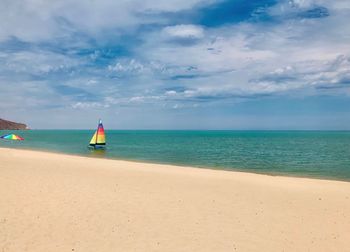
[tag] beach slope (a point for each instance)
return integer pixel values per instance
(54, 202)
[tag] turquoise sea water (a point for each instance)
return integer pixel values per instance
(321, 154)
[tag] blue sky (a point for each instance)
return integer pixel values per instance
(180, 64)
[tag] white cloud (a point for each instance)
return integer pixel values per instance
(170, 93)
(89, 105)
(36, 62)
(184, 31)
(169, 65)
(237, 60)
(131, 66)
(37, 20)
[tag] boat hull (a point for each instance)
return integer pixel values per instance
(97, 147)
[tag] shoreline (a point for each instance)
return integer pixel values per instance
(59, 202)
(227, 169)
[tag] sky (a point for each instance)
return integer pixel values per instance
(176, 64)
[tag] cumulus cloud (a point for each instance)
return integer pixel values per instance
(129, 67)
(37, 20)
(36, 62)
(89, 105)
(329, 74)
(107, 54)
(184, 31)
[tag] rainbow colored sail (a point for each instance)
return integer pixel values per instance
(99, 138)
(12, 137)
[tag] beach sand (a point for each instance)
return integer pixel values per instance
(55, 202)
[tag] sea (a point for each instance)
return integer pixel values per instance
(315, 154)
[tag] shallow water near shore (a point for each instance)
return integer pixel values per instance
(319, 154)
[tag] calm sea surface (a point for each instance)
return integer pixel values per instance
(321, 154)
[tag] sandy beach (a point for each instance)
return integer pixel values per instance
(55, 202)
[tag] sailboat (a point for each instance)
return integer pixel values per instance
(98, 141)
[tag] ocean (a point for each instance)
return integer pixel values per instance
(317, 154)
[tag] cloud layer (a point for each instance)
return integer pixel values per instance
(173, 59)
